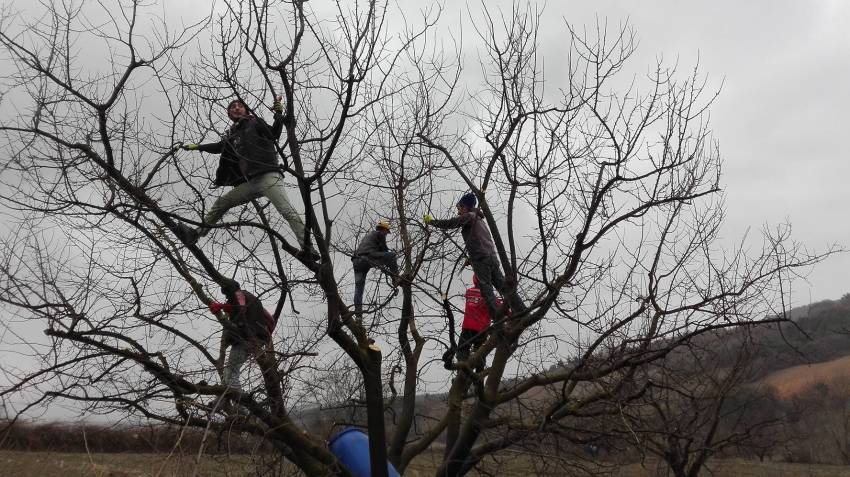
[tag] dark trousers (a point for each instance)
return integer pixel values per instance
(490, 275)
(361, 266)
(469, 341)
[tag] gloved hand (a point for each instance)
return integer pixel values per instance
(427, 219)
(277, 106)
(217, 307)
(189, 147)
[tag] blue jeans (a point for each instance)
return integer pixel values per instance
(361, 267)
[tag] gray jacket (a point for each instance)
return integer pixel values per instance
(476, 234)
(373, 245)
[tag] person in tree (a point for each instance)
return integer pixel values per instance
(247, 332)
(372, 252)
(248, 164)
(480, 251)
(476, 320)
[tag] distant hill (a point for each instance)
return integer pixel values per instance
(813, 347)
(818, 333)
(793, 381)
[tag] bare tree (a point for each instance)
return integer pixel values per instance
(697, 402)
(602, 197)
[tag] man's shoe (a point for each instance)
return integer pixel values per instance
(311, 255)
(188, 235)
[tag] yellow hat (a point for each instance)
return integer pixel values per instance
(383, 224)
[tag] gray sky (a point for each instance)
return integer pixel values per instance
(784, 71)
(781, 113)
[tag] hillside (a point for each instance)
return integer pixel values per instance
(818, 333)
(790, 382)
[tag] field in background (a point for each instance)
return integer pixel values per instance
(49, 464)
(792, 381)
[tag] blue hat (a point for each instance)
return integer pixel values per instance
(468, 200)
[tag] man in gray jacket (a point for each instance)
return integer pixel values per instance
(481, 252)
(249, 164)
(372, 252)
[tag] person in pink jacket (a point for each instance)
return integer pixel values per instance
(476, 320)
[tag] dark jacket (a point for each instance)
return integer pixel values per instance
(247, 150)
(476, 235)
(372, 249)
(249, 322)
(373, 245)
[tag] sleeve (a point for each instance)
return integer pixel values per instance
(453, 223)
(271, 132)
(382, 243)
(212, 147)
(277, 126)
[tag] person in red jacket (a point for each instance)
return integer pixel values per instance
(247, 332)
(476, 320)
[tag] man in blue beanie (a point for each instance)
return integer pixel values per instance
(481, 252)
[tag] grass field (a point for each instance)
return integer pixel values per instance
(791, 381)
(46, 464)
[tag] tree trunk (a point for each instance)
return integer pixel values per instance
(375, 412)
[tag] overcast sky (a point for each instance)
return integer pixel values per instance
(783, 71)
(781, 115)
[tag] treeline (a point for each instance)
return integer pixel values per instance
(102, 438)
(818, 332)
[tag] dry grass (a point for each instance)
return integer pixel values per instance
(790, 382)
(47, 464)
(50, 464)
(518, 466)
(742, 468)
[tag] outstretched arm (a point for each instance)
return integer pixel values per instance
(276, 128)
(212, 147)
(453, 223)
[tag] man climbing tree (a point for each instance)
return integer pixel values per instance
(481, 252)
(248, 164)
(372, 252)
(247, 333)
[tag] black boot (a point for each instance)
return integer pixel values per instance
(187, 234)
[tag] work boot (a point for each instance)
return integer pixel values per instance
(310, 254)
(188, 235)
(447, 359)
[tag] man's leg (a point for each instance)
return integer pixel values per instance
(477, 341)
(515, 303)
(271, 185)
(464, 343)
(359, 286)
(235, 359)
(483, 269)
(241, 194)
